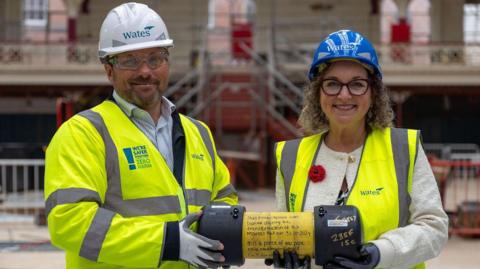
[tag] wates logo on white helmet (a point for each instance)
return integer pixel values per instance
(137, 34)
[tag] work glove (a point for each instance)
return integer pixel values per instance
(369, 258)
(290, 260)
(198, 250)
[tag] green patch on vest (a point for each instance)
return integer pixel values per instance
(373, 192)
(137, 157)
(291, 201)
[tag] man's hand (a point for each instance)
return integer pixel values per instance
(290, 261)
(198, 250)
(370, 256)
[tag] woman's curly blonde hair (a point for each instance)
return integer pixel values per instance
(313, 120)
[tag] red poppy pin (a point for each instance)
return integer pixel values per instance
(316, 173)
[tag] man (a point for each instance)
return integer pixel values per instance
(122, 177)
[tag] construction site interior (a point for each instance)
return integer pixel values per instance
(241, 66)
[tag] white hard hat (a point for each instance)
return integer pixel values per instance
(132, 26)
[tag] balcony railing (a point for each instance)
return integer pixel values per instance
(49, 54)
(432, 54)
(66, 64)
(85, 55)
(61, 56)
(409, 54)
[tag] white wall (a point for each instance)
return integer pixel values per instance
(309, 21)
(447, 20)
(11, 20)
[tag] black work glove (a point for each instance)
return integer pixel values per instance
(369, 258)
(290, 260)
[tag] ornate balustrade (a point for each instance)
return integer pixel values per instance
(18, 61)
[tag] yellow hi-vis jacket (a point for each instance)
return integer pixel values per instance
(109, 192)
(383, 184)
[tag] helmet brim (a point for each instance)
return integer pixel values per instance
(137, 46)
(314, 70)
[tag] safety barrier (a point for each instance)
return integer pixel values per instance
(21, 187)
(459, 184)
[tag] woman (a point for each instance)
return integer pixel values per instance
(354, 157)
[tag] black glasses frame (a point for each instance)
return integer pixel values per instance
(345, 84)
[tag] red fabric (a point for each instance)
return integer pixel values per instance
(72, 29)
(241, 33)
(400, 32)
(316, 173)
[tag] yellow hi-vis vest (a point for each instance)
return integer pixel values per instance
(109, 192)
(383, 184)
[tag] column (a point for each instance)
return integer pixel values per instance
(73, 8)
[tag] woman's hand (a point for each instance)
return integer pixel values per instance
(369, 258)
(290, 261)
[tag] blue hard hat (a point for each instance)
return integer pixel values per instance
(348, 45)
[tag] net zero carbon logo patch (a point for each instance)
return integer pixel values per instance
(137, 157)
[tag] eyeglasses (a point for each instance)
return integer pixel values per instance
(355, 87)
(131, 62)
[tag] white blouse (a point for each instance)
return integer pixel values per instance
(404, 247)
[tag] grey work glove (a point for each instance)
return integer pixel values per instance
(290, 260)
(198, 250)
(369, 258)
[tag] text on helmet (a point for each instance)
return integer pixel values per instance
(136, 34)
(332, 47)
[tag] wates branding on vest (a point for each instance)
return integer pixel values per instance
(197, 156)
(137, 157)
(373, 192)
(140, 33)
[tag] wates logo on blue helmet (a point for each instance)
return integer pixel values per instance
(136, 34)
(344, 44)
(341, 47)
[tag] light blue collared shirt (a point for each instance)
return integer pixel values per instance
(160, 134)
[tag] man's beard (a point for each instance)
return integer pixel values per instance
(143, 102)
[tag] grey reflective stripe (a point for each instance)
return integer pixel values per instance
(116, 43)
(287, 165)
(114, 190)
(206, 140)
(145, 206)
(401, 157)
(93, 240)
(198, 197)
(70, 196)
(226, 191)
(113, 196)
